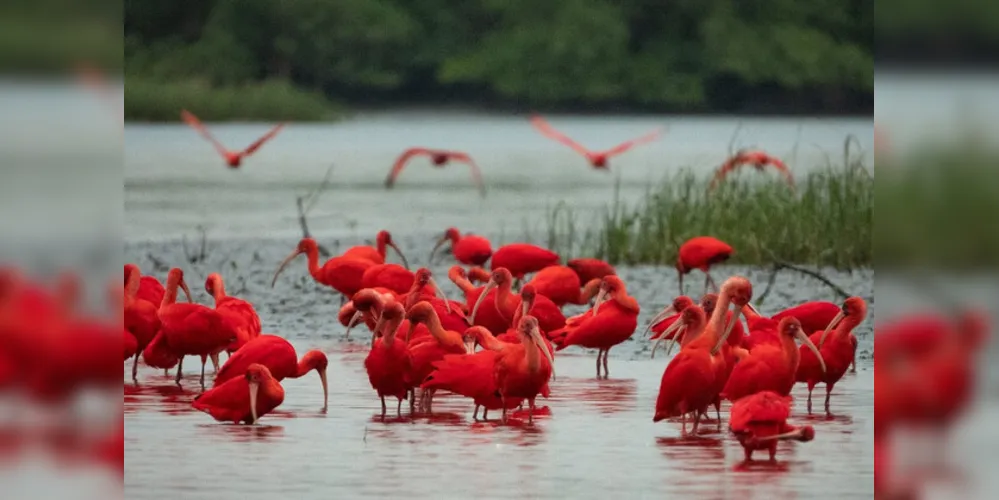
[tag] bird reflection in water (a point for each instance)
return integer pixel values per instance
(250, 433)
(607, 395)
(693, 453)
(168, 398)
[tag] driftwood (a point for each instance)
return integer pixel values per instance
(305, 204)
(781, 265)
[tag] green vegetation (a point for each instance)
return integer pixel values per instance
(937, 209)
(827, 220)
(680, 56)
(151, 100)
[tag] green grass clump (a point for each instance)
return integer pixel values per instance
(274, 100)
(826, 220)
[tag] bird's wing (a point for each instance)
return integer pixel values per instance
(195, 123)
(624, 146)
(260, 142)
(476, 171)
(401, 162)
(782, 168)
(548, 131)
(726, 168)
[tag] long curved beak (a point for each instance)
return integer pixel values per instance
(440, 242)
(405, 263)
(284, 264)
(187, 291)
(352, 323)
(678, 339)
(470, 346)
(378, 328)
(523, 308)
(832, 324)
(795, 434)
(536, 337)
(808, 342)
(752, 308)
(475, 309)
(601, 296)
(254, 387)
(728, 329)
(409, 333)
(666, 335)
(665, 313)
(440, 293)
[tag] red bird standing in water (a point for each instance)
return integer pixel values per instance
(814, 317)
(424, 351)
(589, 269)
(238, 313)
(612, 320)
(278, 355)
(388, 363)
(498, 315)
(561, 284)
(242, 399)
(836, 350)
(191, 328)
(758, 159)
(695, 376)
(141, 316)
(377, 254)
(759, 421)
(522, 370)
(468, 249)
(343, 274)
(597, 159)
(770, 367)
(701, 252)
(523, 258)
(472, 375)
(232, 158)
(439, 158)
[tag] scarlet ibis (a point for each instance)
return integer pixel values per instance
(523, 258)
(242, 399)
(439, 158)
(522, 370)
(701, 252)
(836, 350)
(232, 158)
(759, 421)
(468, 249)
(612, 320)
(758, 159)
(597, 159)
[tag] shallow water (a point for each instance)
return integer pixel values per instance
(592, 439)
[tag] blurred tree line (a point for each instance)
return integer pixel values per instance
(752, 56)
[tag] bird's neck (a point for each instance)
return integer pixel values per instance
(313, 255)
(488, 341)
(169, 294)
(304, 366)
(626, 302)
(504, 298)
(791, 352)
(462, 283)
(590, 290)
(716, 325)
(218, 290)
(132, 287)
(532, 355)
(381, 247)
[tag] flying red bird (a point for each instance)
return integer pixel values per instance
(757, 159)
(597, 159)
(439, 158)
(232, 158)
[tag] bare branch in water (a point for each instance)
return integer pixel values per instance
(305, 204)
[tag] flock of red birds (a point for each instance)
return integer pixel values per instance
(441, 157)
(422, 342)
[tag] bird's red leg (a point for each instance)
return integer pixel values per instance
(180, 364)
(215, 361)
(829, 389)
(683, 422)
(204, 361)
(718, 411)
(530, 416)
(485, 413)
(810, 400)
(599, 353)
(606, 372)
(773, 451)
(697, 421)
(412, 400)
(475, 415)
(503, 404)
(383, 406)
(135, 367)
(398, 409)
(748, 452)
